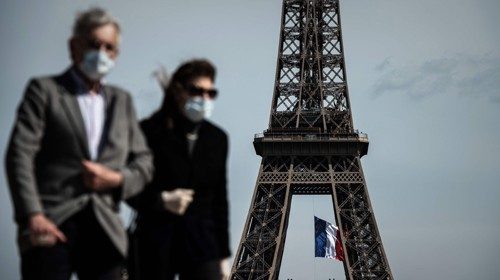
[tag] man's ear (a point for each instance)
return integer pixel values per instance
(74, 50)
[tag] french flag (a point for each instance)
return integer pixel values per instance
(327, 240)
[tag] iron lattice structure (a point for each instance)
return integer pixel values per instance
(311, 148)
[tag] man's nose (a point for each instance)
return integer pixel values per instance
(102, 47)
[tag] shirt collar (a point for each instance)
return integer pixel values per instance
(81, 87)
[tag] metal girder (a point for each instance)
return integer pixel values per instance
(280, 177)
(310, 77)
(310, 148)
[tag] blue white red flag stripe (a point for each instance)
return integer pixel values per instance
(327, 240)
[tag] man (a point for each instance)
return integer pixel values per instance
(75, 152)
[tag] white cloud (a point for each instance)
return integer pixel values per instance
(464, 75)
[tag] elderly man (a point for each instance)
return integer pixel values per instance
(75, 152)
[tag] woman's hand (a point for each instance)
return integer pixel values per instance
(177, 201)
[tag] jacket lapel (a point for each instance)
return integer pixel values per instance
(69, 102)
(110, 103)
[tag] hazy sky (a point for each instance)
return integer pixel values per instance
(424, 79)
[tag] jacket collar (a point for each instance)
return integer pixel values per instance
(68, 89)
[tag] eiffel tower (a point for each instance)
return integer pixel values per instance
(310, 148)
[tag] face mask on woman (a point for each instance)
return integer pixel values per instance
(198, 108)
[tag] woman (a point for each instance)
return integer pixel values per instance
(182, 221)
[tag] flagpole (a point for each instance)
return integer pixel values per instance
(314, 257)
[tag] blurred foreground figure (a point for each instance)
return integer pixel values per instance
(182, 223)
(75, 152)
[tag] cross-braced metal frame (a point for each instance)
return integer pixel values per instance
(310, 90)
(310, 148)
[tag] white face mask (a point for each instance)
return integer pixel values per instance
(96, 64)
(198, 108)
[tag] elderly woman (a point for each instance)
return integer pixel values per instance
(182, 221)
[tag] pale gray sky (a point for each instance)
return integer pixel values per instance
(424, 79)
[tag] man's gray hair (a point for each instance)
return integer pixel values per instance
(92, 18)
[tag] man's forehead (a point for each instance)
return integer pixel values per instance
(105, 29)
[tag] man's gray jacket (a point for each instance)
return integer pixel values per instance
(46, 149)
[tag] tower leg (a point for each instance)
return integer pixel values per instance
(261, 248)
(263, 239)
(364, 253)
